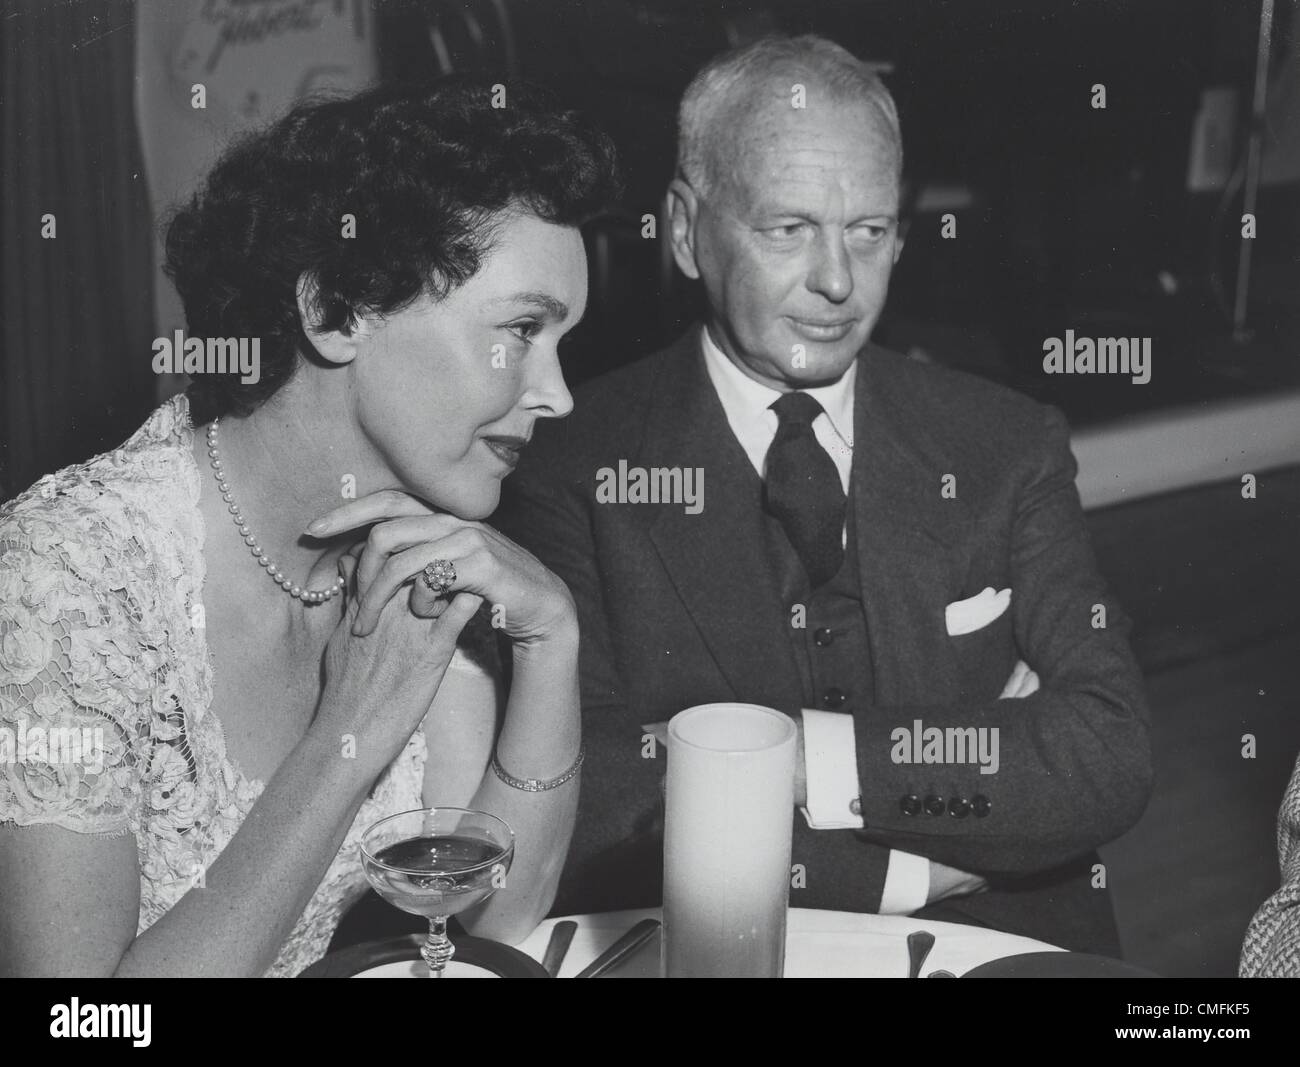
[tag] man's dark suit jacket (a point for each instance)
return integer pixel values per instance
(680, 609)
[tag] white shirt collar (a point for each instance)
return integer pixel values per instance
(747, 403)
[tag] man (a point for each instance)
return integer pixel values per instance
(869, 544)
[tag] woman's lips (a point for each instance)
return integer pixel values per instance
(815, 330)
(506, 449)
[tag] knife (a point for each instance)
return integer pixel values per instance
(556, 949)
(621, 949)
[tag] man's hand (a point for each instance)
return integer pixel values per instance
(800, 766)
(949, 882)
(1022, 683)
(659, 730)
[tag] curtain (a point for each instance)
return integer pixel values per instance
(77, 312)
(254, 58)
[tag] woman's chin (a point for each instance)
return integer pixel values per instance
(472, 505)
(483, 512)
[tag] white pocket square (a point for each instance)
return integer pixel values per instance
(967, 616)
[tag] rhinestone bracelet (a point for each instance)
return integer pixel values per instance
(537, 785)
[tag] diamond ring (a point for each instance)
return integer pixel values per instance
(439, 576)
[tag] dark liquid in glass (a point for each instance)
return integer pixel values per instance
(440, 875)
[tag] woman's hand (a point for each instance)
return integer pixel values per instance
(379, 685)
(529, 603)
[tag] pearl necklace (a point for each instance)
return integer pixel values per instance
(307, 596)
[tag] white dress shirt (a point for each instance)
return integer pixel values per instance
(830, 751)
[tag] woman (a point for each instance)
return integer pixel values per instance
(407, 262)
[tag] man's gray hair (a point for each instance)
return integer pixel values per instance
(732, 77)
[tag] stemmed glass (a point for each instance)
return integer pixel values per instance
(436, 862)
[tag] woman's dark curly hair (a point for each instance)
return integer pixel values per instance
(423, 169)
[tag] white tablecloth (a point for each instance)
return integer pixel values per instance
(819, 944)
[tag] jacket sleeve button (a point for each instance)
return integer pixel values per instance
(834, 698)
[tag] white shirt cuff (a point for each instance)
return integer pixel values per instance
(831, 766)
(907, 884)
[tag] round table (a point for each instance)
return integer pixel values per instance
(819, 944)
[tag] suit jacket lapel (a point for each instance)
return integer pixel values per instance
(716, 559)
(910, 539)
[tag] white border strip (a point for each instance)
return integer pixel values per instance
(1165, 451)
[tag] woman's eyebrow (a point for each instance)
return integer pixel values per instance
(557, 309)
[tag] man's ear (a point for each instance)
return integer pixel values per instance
(683, 212)
(338, 346)
(904, 214)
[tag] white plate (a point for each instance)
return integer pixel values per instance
(819, 944)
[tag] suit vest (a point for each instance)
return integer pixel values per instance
(831, 647)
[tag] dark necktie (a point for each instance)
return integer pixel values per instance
(802, 489)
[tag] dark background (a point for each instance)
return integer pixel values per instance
(1074, 213)
(1073, 218)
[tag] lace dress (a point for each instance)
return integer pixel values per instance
(101, 640)
(1272, 945)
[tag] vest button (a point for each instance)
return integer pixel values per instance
(833, 698)
(934, 805)
(823, 636)
(959, 807)
(980, 805)
(911, 804)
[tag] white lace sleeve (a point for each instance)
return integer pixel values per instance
(72, 684)
(1272, 945)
